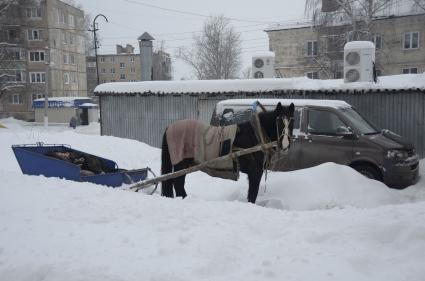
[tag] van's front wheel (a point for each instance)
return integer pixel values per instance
(368, 171)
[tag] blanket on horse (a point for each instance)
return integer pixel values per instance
(197, 140)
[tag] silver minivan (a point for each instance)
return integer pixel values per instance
(333, 131)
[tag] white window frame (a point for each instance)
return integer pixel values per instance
(311, 74)
(21, 74)
(65, 58)
(102, 59)
(133, 70)
(113, 70)
(103, 70)
(71, 20)
(374, 40)
(408, 70)
(64, 38)
(32, 32)
(122, 65)
(33, 12)
(121, 76)
(72, 59)
(37, 96)
(312, 48)
(411, 40)
(40, 77)
(15, 99)
(112, 59)
(73, 77)
(66, 78)
(40, 54)
(131, 59)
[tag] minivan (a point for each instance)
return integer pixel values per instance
(333, 131)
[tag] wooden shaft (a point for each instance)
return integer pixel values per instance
(146, 183)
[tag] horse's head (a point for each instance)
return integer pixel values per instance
(284, 124)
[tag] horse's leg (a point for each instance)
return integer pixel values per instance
(166, 167)
(179, 182)
(254, 178)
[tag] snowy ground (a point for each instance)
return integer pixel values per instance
(324, 223)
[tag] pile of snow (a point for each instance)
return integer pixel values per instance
(323, 223)
(394, 82)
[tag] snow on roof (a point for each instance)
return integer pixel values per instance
(63, 99)
(88, 104)
(395, 82)
(289, 25)
(359, 45)
(243, 103)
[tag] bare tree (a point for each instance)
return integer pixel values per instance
(246, 73)
(420, 4)
(217, 50)
(356, 14)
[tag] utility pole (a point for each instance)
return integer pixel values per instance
(95, 43)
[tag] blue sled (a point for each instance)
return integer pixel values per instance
(33, 160)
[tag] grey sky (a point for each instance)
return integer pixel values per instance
(128, 19)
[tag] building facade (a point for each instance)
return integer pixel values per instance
(126, 66)
(317, 52)
(41, 53)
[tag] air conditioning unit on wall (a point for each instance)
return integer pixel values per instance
(263, 65)
(359, 58)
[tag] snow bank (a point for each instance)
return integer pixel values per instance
(323, 223)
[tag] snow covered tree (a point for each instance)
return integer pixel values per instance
(217, 50)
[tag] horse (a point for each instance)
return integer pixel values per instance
(275, 125)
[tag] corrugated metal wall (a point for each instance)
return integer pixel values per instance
(145, 117)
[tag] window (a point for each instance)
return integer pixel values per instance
(103, 81)
(113, 70)
(112, 59)
(34, 34)
(65, 58)
(62, 17)
(313, 75)
(103, 70)
(133, 69)
(71, 59)
(15, 99)
(312, 47)
(64, 38)
(71, 20)
(66, 78)
(102, 59)
(411, 40)
(121, 65)
(113, 80)
(411, 70)
(71, 39)
(37, 96)
(38, 77)
(33, 12)
(36, 56)
(19, 76)
(377, 40)
(131, 59)
(12, 34)
(73, 78)
(12, 54)
(122, 76)
(322, 122)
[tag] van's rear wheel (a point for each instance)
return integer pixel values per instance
(369, 172)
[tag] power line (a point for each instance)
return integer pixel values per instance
(189, 13)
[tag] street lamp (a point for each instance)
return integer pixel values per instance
(95, 43)
(46, 95)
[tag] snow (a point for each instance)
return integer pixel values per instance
(394, 82)
(63, 99)
(359, 45)
(263, 54)
(323, 223)
(88, 104)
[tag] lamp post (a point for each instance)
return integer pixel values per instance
(95, 43)
(46, 95)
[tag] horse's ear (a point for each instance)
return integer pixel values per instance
(291, 108)
(279, 108)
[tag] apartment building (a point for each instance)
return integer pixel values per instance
(317, 51)
(42, 52)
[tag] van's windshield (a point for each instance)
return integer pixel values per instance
(360, 123)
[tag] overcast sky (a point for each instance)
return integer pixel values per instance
(128, 19)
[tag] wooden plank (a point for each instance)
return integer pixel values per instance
(149, 182)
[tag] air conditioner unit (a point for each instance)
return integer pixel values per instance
(359, 58)
(263, 65)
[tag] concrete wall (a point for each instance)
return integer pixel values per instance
(291, 58)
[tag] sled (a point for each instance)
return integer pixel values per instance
(33, 160)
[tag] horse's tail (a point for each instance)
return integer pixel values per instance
(166, 167)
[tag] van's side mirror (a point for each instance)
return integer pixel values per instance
(345, 132)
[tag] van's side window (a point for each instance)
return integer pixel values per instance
(322, 122)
